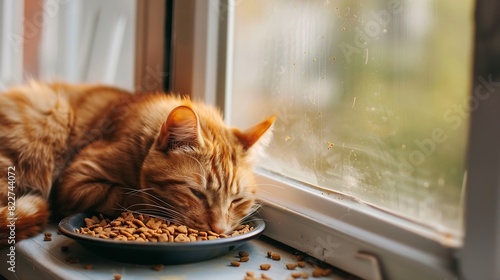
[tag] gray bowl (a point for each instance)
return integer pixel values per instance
(155, 252)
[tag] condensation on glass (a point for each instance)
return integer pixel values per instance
(371, 98)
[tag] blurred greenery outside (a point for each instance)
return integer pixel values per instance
(371, 97)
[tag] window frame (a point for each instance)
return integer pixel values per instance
(339, 229)
(11, 72)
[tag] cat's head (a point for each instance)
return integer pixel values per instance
(199, 171)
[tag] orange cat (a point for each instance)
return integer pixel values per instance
(83, 147)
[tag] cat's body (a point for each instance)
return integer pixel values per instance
(103, 149)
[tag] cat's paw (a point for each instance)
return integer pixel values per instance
(28, 219)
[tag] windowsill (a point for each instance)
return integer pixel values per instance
(350, 235)
(38, 259)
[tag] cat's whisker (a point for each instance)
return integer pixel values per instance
(159, 211)
(150, 197)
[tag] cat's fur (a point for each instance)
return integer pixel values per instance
(91, 147)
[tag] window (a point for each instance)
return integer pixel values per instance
(370, 98)
(115, 42)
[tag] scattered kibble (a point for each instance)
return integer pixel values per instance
(142, 228)
(291, 266)
(275, 257)
(301, 264)
(244, 259)
(319, 272)
(88, 267)
(47, 236)
(243, 254)
(326, 272)
(265, 266)
(235, 263)
(158, 267)
(298, 274)
(117, 276)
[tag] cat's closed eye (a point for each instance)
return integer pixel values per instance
(237, 200)
(198, 194)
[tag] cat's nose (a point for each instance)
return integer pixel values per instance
(217, 228)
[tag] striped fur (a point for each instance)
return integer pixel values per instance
(84, 147)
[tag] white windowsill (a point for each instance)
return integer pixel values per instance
(352, 236)
(38, 259)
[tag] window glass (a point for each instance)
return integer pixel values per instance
(371, 98)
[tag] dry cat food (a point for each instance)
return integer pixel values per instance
(243, 254)
(265, 266)
(143, 228)
(47, 236)
(158, 267)
(319, 272)
(303, 275)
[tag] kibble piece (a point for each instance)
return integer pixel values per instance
(88, 267)
(212, 233)
(265, 266)
(182, 238)
(296, 274)
(317, 272)
(244, 259)
(291, 266)
(326, 272)
(275, 257)
(182, 229)
(269, 254)
(243, 254)
(301, 264)
(251, 273)
(158, 267)
(235, 263)
(47, 238)
(117, 276)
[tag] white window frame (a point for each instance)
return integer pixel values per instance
(338, 229)
(11, 43)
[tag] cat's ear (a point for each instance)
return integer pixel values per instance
(182, 128)
(250, 136)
